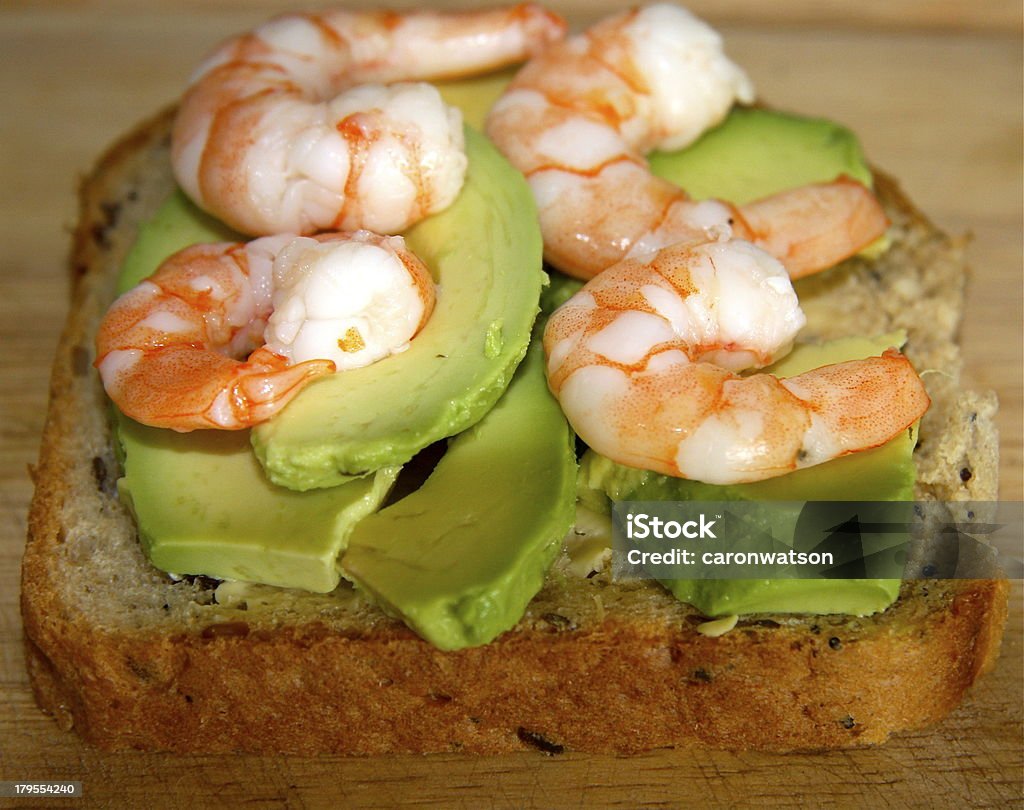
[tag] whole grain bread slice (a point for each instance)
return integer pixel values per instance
(135, 660)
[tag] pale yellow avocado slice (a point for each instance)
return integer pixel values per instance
(460, 558)
(203, 505)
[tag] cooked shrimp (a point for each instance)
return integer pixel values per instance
(644, 361)
(303, 306)
(579, 117)
(274, 136)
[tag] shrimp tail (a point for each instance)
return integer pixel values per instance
(813, 227)
(860, 403)
(267, 383)
(224, 393)
(468, 43)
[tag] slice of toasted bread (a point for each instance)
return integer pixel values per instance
(132, 659)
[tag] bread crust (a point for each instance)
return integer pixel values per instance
(132, 660)
(623, 687)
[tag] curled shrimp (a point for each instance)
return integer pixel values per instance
(579, 117)
(304, 307)
(644, 361)
(274, 136)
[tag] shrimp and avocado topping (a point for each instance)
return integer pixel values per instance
(684, 294)
(264, 141)
(318, 122)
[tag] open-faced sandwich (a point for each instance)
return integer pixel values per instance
(336, 425)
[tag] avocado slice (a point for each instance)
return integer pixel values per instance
(459, 559)
(485, 254)
(204, 506)
(757, 152)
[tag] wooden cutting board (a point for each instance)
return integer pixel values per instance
(933, 89)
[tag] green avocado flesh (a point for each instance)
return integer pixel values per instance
(885, 473)
(204, 507)
(755, 153)
(461, 576)
(485, 254)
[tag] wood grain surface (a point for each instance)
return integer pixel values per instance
(933, 89)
